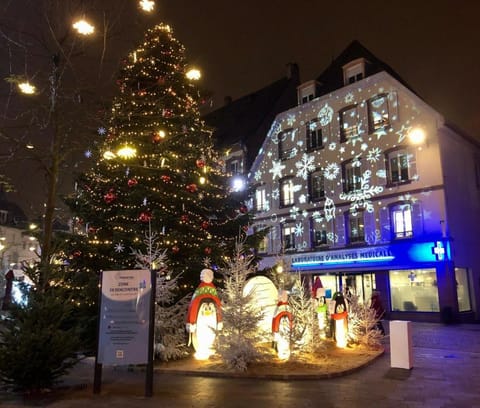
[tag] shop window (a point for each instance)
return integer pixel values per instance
(463, 290)
(401, 216)
(316, 185)
(378, 116)
(287, 197)
(356, 227)
(288, 237)
(261, 199)
(400, 166)
(348, 123)
(352, 176)
(414, 290)
(314, 135)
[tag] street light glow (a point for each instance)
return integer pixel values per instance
(147, 5)
(27, 88)
(417, 136)
(83, 27)
(193, 74)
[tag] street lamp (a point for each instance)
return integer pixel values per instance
(83, 27)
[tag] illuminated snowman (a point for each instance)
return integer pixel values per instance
(281, 326)
(204, 316)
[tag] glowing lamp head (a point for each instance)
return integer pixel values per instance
(83, 27)
(417, 136)
(146, 5)
(26, 88)
(127, 152)
(193, 74)
(238, 184)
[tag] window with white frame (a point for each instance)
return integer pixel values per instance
(261, 199)
(319, 234)
(234, 166)
(398, 164)
(352, 176)
(314, 135)
(401, 216)
(354, 71)
(263, 244)
(316, 185)
(355, 227)
(287, 196)
(288, 237)
(348, 123)
(378, 115)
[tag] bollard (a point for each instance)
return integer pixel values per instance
(401, 350)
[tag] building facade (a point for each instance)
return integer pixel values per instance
(366, 187)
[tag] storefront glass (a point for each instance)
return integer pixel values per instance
(414, 290)
(463, 293)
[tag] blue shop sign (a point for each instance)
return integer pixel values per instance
(402, 253)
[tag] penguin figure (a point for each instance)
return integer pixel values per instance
(281, 326)
(339, 318)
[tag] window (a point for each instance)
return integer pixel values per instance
(352, 176)
(356, 227)
(307, 98)
(463, 290)
(286, 192)
(319, 235)
(414, 290)
(314, 135)
(354, 71)
(399, 163)
(378, 117)
(286, 144)
(288, 236)
(263, 244)
(348, 123)
(261, 199)
(234, 166)
(316, 185)
(401, 216)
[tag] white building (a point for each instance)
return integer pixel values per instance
(366, 186)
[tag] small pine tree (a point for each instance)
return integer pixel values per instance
(237, 343)
(362, 323)
(170, 338)
(38, 343)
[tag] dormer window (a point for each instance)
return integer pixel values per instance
(307, 92)
(354, 71)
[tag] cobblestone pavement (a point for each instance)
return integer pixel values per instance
(445, 373)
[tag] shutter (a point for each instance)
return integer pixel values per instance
(417, 219)
(369, 226)
(393, 106)
(340, 229)
(385, 226)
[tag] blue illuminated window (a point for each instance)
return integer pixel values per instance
(401, 216)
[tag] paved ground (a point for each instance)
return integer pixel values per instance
(446, 374)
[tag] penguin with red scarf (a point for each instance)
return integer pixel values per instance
(281, 325)
(204, 316)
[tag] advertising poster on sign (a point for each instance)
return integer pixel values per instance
(124, 317)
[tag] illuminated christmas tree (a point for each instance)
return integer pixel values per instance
(156, 170)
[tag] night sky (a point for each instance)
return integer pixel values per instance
(243, 46)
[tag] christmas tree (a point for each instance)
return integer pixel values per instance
(156, 170)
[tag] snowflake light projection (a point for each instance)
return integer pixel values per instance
(305, 166)
(277, 168)
(362, 198)
(325, 115)
(298, 229)
(332, 170)
(374, 155)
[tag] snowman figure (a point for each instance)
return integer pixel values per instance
(322, 311)
(204, 316)
(281, 326)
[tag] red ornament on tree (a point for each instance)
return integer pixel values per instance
(184, 218)
(132, 182)
(77, 253)
(200, 163)
(145, 216)
(243, 209)
(167, 113)
(165, 178)
(207, 250)
(161, 80)
(156, 138)
(245, 228)
(110, 197)
(205, 224)
(192, 188)
(175, 249)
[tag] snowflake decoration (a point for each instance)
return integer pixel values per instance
(294, 211)
(317, 216)
(362, 198)
(403, 132)
(298, 229)
(88, 154)
(332, 237)
(119, 248)
(332, 146)
(325, 115)
(342, 149)
(331, 171)
(305, 166)
(101, 131)
(349, 97)
(277, 168)
(382, 173)
(258, 175)
(374, 155)
(290, 120)
(302, 199)
(275, 130)
(275, 194)
(364, 146)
